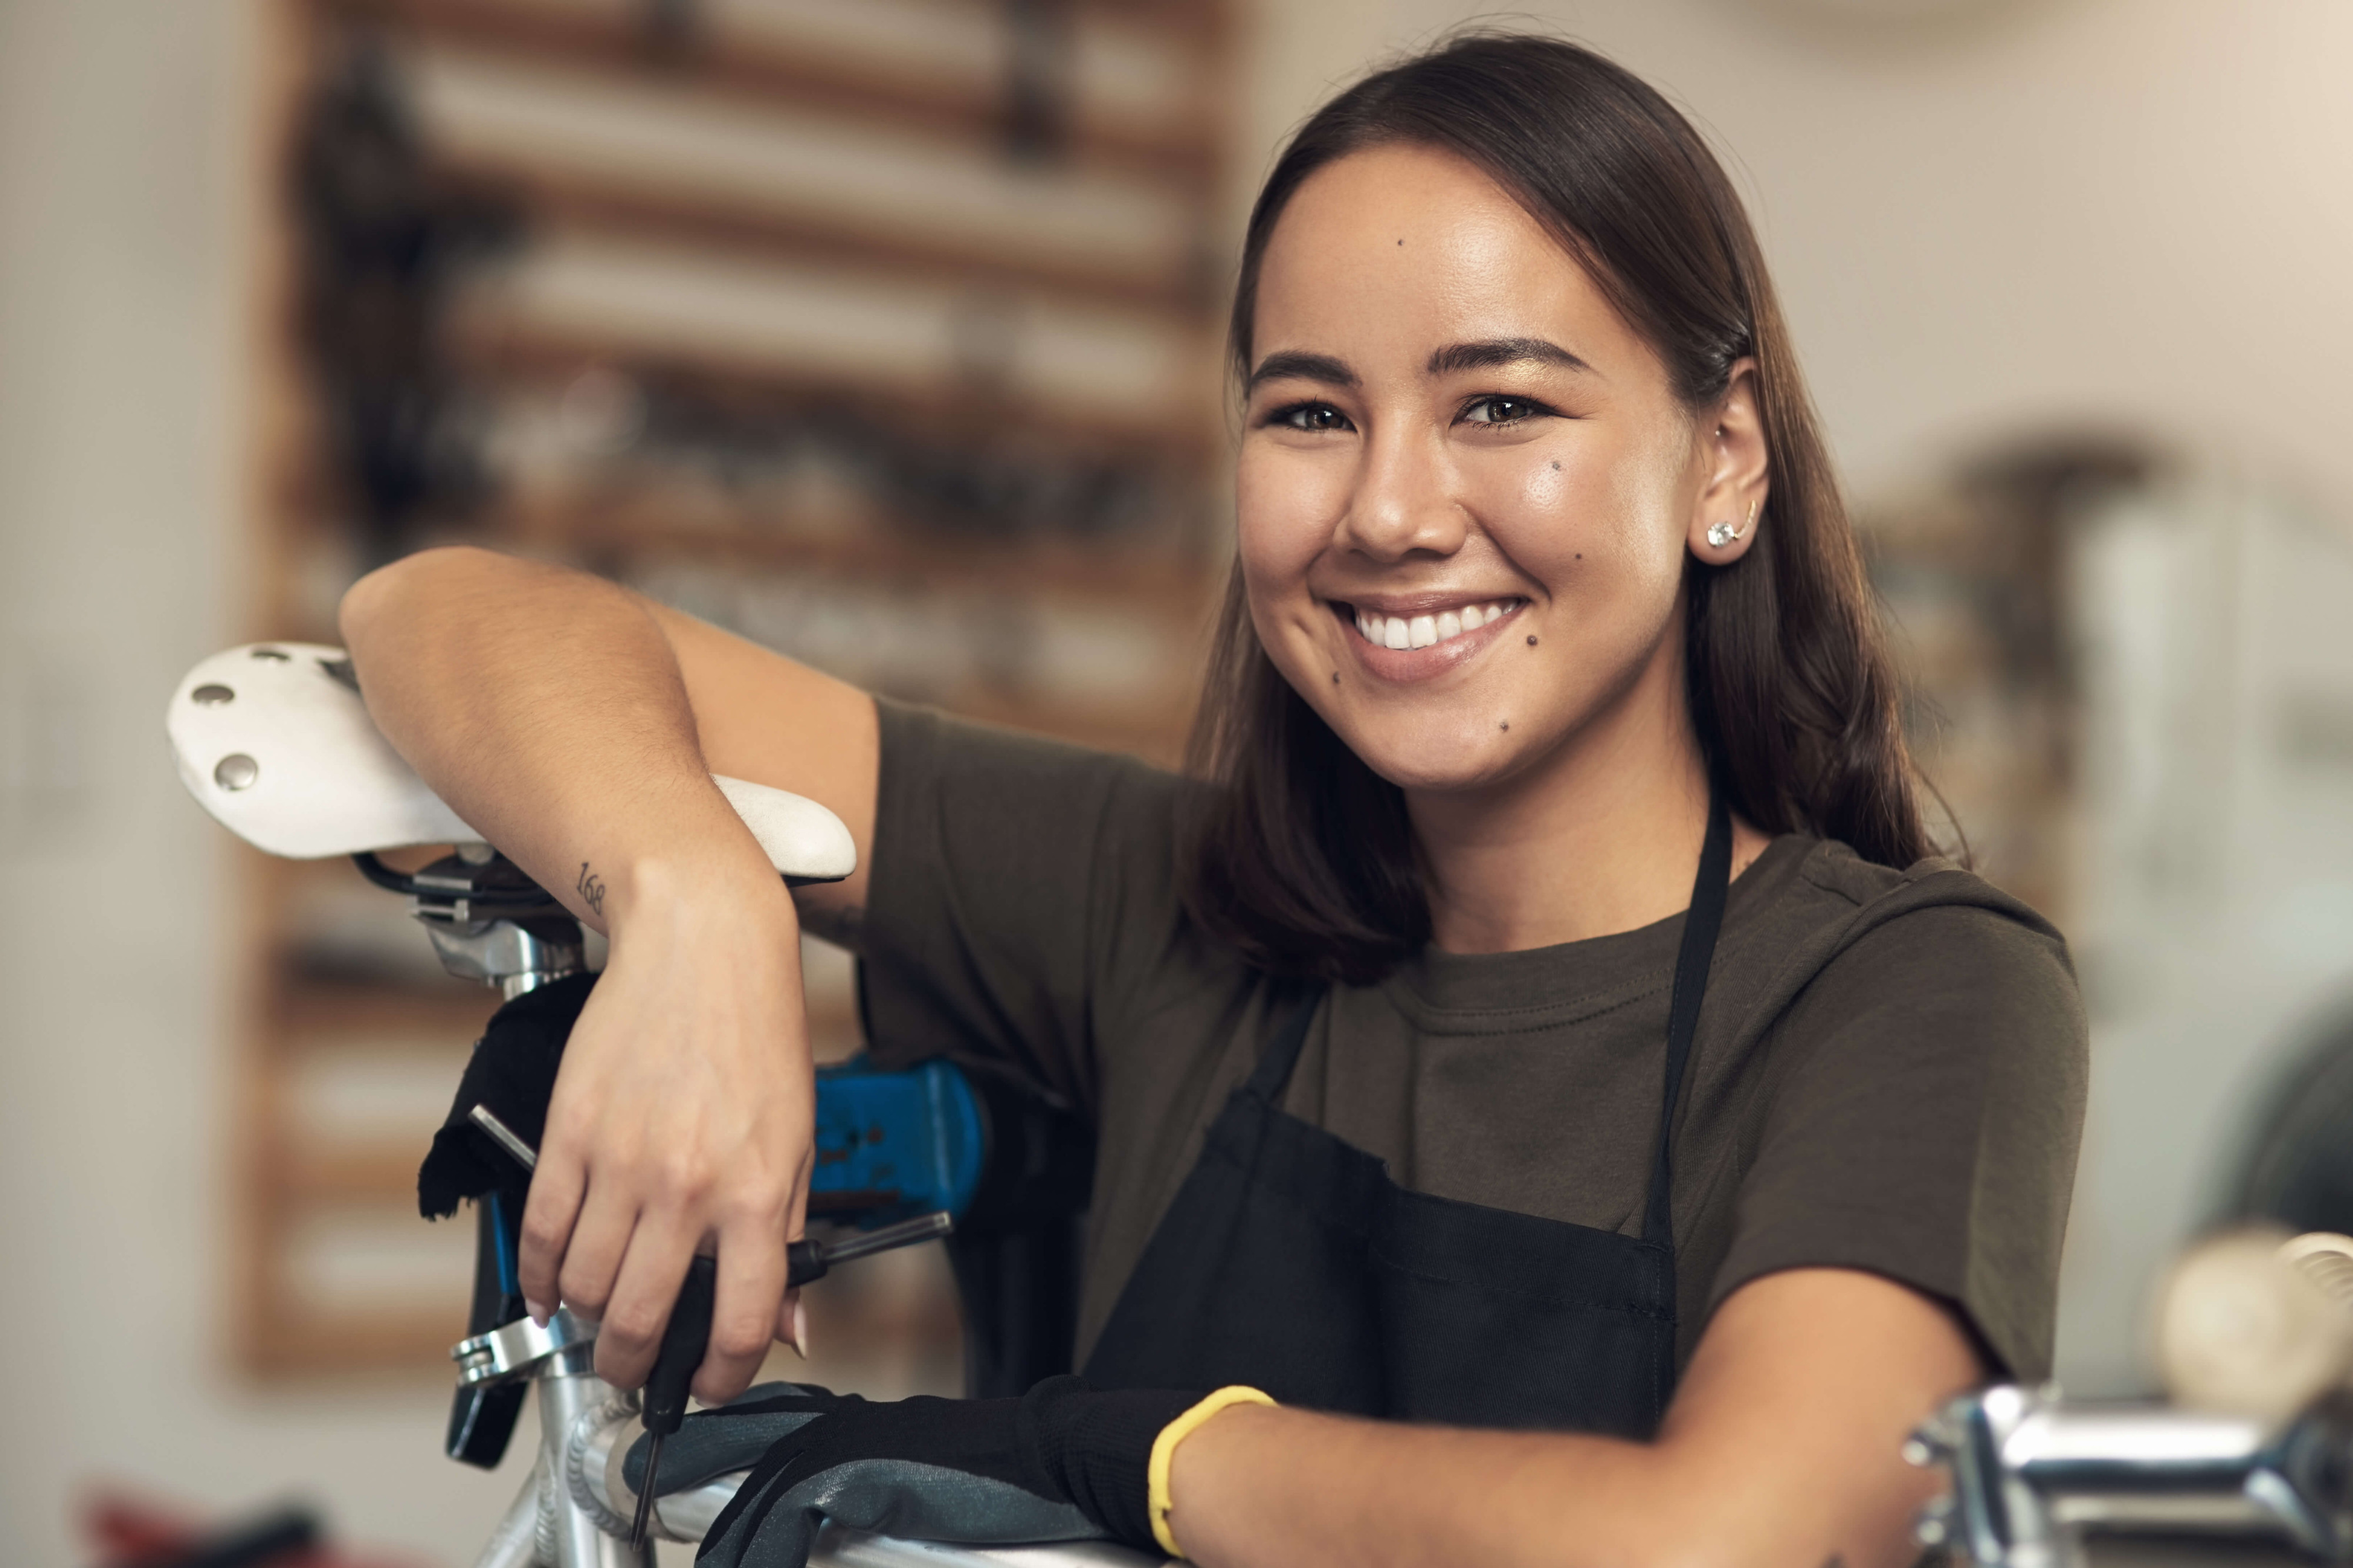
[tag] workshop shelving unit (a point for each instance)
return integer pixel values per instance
(885, 332)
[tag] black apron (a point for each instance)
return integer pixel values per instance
(1290, 1262)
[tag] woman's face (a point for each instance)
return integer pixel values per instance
(1465, 487)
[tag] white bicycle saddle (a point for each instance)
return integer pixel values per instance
(273, 740)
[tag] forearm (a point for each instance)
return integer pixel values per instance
(1781, 1450)
(548, 709)
(1256, 1487)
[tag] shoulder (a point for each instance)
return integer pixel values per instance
(1840, 908)
(954, 783)
(923, 745)
(1009, 837)
(1932, 952)
(1918, 1090)
(1930, 975)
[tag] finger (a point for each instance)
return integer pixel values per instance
(600, 1239)
(792, 1324)
(792, 1312)
(653, 1267)
(751, 1280)
(549, 1217)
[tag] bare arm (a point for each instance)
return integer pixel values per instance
(576, 726)
(1782, 1448)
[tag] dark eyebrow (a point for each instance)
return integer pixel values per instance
(1292, 363)
(1502, 350)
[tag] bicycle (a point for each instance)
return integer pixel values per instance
(273, 740)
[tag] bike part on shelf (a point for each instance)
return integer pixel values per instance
(275, 742)
(2031, 1474)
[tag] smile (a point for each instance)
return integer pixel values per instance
(1428, 630)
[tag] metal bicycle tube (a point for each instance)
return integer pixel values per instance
(515, 1543)
(569, 1389)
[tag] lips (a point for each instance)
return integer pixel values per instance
(1419, 638)
(1427, 630)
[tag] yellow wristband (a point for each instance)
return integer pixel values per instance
(1164, 1455)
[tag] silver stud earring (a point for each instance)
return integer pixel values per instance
(1720, 534)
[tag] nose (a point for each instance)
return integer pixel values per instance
(1404, 501)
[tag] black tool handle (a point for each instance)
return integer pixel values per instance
(683, 1343)
(688, 1337)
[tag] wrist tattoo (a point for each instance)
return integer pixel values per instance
(591, 888)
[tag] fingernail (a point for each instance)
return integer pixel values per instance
(800, 1329)
(539, 1313)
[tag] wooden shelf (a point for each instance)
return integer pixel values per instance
(365, 1173)
(290, 1342)
(620, 525)
(485, 343)
(754, 293)
(313, 1012)
(1179, 290)
(765, 73)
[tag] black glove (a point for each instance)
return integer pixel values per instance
(513, 1071)
(1063, 1462)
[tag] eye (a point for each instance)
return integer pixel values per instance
(1312, 416)
(1497, 409)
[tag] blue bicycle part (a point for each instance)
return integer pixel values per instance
(893, 1144)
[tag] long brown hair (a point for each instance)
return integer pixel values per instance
(1301, 854)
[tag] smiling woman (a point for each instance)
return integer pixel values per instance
(1557, 254)
(1550, 1105)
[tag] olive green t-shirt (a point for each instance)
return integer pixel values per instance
(1888, 1073)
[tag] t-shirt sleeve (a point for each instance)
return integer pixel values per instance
(1923, 1125)
(1010, 875)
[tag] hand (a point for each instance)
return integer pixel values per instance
(683, 1117)
(1063, 1462)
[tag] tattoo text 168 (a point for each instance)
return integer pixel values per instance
(591, 888)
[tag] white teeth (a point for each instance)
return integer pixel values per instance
(1423, 631)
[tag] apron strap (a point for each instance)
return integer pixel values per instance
(1274, 1067)
(1701, 924)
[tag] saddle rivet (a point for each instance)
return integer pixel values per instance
(236, 771)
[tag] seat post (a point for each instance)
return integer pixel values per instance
(490, 922)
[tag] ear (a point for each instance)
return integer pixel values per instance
(1734, 481)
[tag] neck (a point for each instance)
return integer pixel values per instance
(1602, 834)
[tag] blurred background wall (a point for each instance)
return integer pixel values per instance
(2067, 278)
